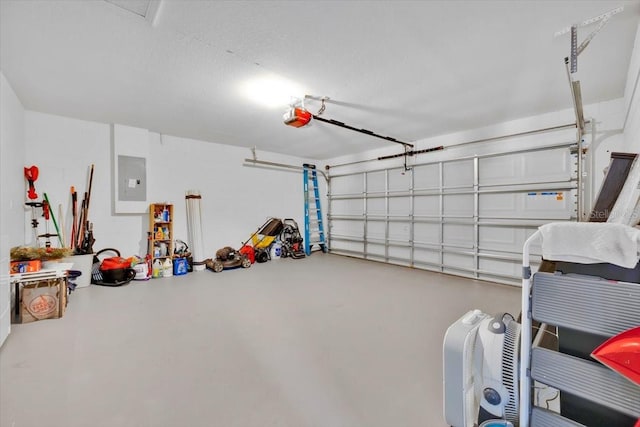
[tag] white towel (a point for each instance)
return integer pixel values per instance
(591, 243)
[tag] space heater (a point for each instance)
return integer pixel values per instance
(480, 354)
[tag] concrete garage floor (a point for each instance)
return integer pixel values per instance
(326, 341)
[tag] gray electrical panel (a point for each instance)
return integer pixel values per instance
(132, 179)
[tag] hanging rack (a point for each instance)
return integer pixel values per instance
(571, 65)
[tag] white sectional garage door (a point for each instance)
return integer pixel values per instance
(467, 216)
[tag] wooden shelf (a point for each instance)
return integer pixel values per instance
(160, 234)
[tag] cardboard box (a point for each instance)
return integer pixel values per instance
(25, 266)
(45, 299)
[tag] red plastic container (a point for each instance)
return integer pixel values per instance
(622, 354)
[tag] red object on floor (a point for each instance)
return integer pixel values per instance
(249, 252)
(638, 423)
(622, 354)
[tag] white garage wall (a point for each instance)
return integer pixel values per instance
(632, 130)
(632, 101)
(12, 158)
(236, 199)
(11, 191)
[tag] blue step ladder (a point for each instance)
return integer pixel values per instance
(313, 223)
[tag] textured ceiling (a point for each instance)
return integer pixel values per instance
(409, 70)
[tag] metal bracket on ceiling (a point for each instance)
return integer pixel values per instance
(576, 49)
(322, 99)
(571, 62)
(603, 19)
(571, 65)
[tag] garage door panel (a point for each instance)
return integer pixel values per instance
(458, 260)
(357, 247)
(499, 205)
(376, 249)
(541, 205)
(376, 230)
(401, 253)
(426, 177)
(458, 205)
(347, 207)
(543, 166)
(458, 235)
(496, 238)
(426, 205)
(347, 184)
(455, 217)
(347, 228)
(399, 231)
(549, 204)
(399, 180)
(501, 170)
(501, 267)
(548, 166)
(426, 233)
(458, 174)
(400, 206)
(376, 182)
(376, 206)
(427, 256)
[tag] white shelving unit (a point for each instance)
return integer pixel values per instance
(589, 305)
